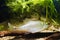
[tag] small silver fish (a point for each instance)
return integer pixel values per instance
(33, 26)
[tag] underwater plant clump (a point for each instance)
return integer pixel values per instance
(42, 10)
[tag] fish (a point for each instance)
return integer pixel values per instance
(33, 26)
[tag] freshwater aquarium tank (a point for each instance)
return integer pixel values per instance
(30, 15)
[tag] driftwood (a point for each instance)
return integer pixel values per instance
(3, 33)
(55, 36)
(25, 34)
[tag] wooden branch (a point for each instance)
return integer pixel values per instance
(2, 33)
(55, 36)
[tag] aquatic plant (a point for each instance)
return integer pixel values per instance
(43, 9)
